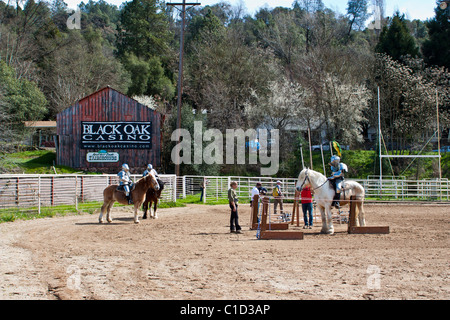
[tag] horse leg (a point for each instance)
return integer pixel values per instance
(327, 221)
(154, 209)
(145, 208)
(108, 212)
(330, 222)
(150, 202)
(362, 218)
(324, 219)
(102, 210)
(136, 207)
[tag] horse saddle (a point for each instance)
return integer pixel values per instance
(121, 188)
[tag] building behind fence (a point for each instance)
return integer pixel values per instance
(33, 192)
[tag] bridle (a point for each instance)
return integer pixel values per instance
(304, 180)
(307, 178)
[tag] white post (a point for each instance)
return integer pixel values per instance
(439, 143)
(39, 194)
(184, 187)
(379, 142)
(204, 189)
(76, 196)
(174, 187)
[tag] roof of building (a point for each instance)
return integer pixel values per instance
(40, 124)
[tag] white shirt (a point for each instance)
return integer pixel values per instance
(255, 191)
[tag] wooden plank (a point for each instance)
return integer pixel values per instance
(369, 230)
(278, 226)
(281, 235)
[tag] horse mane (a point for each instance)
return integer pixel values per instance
(144, 179)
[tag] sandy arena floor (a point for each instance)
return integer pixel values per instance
(188, 253)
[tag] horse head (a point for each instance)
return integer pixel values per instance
(303, 179)
(152, 180)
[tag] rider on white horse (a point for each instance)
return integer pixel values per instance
(125, 180)
(337, 169)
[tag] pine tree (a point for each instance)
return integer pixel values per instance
(396, 40)
(436, 49)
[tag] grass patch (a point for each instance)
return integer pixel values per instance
(12, 214)
(32, 162)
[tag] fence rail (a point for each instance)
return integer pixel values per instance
(36, 191)
(217, 187)
(31, 192)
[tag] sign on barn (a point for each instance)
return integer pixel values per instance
(106, 129)
(116, 135)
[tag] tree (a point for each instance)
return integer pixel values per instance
(396, 39)
(86, 64)
(20, 100)
(436, 50)
(343, 107)
(143, 29)
(281, 33)
(408, 104)
(143, 42)
(357, 14)
(147, 77)
(221, 73)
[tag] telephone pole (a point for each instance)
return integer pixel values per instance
(182, 9)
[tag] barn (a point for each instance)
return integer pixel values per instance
(106, 129)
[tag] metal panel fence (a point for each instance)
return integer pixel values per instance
(32, 192)
(390, 189)
(36, 191)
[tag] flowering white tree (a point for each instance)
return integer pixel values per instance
(285, 105)
(147, 101)
(342, 108)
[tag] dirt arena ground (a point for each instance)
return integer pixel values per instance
(188, 253)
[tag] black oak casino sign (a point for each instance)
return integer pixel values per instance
(116, 135)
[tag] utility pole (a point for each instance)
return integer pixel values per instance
(183, 6)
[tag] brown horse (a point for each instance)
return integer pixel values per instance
(111, 195)
(152, 196)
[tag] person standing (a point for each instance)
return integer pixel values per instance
(277, 194)
(233, 202)
(255, 191)
(307, 207)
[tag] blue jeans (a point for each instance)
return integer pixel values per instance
(307, 207)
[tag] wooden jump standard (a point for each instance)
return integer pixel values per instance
(272, 231)
(276, 232)
(353, 229)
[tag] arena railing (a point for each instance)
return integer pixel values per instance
(34, 192)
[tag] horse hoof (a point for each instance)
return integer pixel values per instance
(109, 221)
(137, 222)
(144, 217)
(100, 221)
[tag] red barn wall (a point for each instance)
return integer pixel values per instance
(106, 105)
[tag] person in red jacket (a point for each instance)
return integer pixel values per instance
(307, 206)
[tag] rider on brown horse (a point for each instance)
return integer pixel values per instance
(125, 181)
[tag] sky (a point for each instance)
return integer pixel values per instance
(414, 9)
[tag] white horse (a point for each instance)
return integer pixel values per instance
(324, 193)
